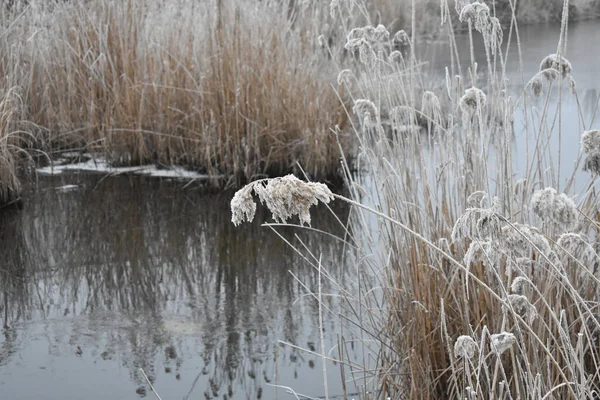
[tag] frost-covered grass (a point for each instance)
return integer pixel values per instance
(230, 88)
(478, 280)
(12, 145)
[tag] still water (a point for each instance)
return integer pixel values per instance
(101, 276)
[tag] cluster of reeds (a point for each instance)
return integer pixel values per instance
(13, 143)
(488, 275)
(231, 88)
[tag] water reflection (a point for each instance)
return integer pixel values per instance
(125, 273)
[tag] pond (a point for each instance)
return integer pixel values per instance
(103, 276)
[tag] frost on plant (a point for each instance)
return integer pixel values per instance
(520, 241)
(243, 206)
(401, 37)
(365, 40)
(430, 106)
(285, 197)
(471, 102)
(590, 145)
(501, 342)
(518, 285)
(478, 15)
(576, 245)
(484, 252)
(478, 223)
(367, 112)
(465, 347)
(556, 62)
(519, 303)
(344, 76)
(554, 208)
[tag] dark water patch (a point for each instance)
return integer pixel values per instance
(122, 273)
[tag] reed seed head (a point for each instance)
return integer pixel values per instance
(518, 240)
(473, 100)
(590, 141)
(285, 197)
(577, 246)
(430, 106)
(518, 285)
(502, 341)
(519, 303)
(401, 37)
(243, 207)
(366, 111)
(465, 347)
(558, 63)
(536, 86)
(554, 208)
(344, 77)
(479, 223)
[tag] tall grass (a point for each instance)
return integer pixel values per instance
(12, 146)
(231, 88)
(474, 247)
(486, 276)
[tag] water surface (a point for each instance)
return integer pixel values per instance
(101, 276)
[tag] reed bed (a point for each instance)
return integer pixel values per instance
(231, 88)
(480, 280)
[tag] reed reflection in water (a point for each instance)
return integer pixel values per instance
(121, 273)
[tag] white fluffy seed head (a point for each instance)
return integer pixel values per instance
(500, 342)
(590, 145)
(554, 208)
(590, 141)
(465, 347)
(243, 207)
(519, 303)
(520, 241)
(558, 63)
(578, 246)
(366, 111)
(401, 37)
(472, 101)
(285, 197)
(518, 285)
(344, 77)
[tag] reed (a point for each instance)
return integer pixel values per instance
(480, 279)
(237, 90)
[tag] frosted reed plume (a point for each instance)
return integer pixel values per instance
(285, 197)
(501, 342)
(578, 246)
(367, 111)
(430, 107)
(521, 305)
(465, 347)
(478, 223)
(472, 102)
(558, 63)
(554, 208)
(401, 37)
(478, 15)
(519, 241)
(367, 40)
(485, 252)
(590, 145)
(518, 285)
(344, 76)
